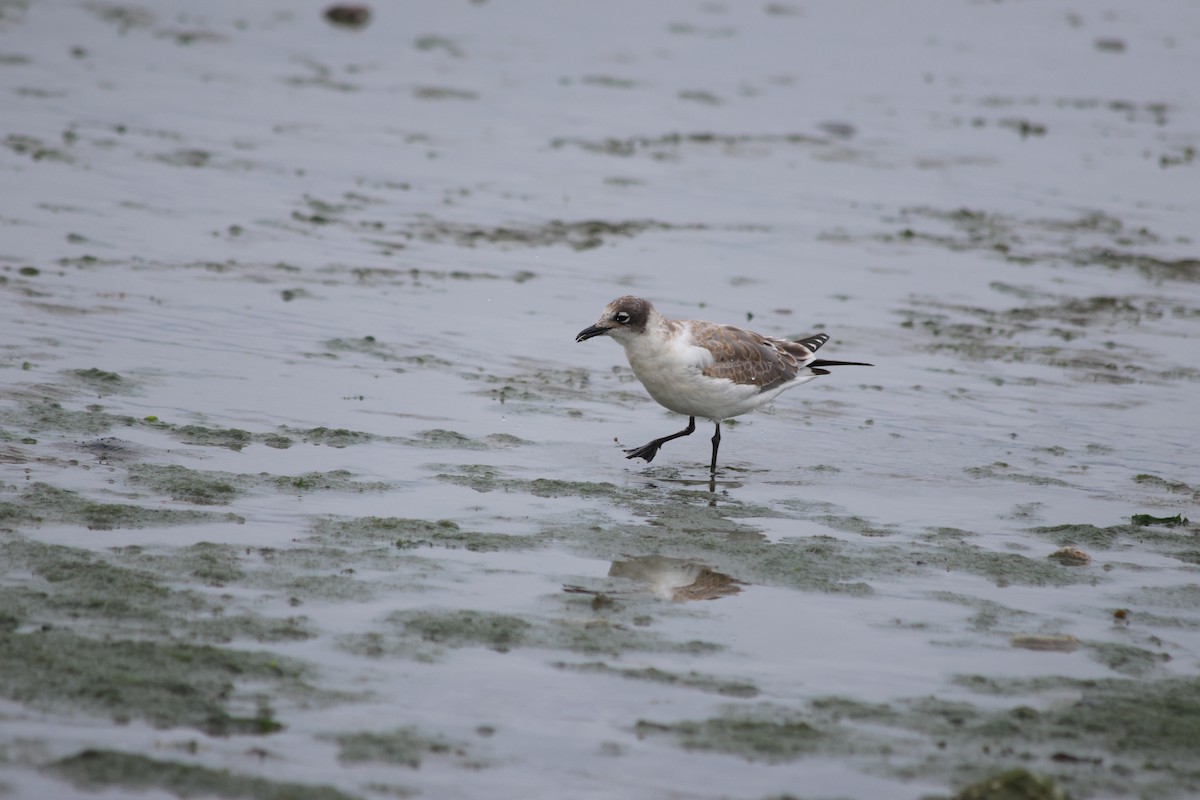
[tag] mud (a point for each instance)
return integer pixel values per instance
(306, 489)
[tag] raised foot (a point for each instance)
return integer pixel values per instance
(646, 451)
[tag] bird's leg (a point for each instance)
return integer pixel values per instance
(716, 440)
(649, 450)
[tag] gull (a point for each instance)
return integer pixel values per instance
(703, 369)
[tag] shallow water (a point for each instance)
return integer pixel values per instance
(305, 487)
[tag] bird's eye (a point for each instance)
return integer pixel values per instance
(621, 317)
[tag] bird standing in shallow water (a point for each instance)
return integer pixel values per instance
(703, 369)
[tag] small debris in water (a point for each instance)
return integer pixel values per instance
(348, 15)
(1055, 643)
(1071, 557)
(1171, 522)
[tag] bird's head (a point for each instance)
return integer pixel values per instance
(621, 319)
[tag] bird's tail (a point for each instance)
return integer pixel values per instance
(817, 365)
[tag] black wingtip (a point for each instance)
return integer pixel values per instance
(817, 363)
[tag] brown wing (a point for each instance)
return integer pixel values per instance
(748, 358)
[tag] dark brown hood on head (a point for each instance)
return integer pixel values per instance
(628, 313)
(637, 308)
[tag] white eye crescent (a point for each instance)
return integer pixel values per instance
(621, 317)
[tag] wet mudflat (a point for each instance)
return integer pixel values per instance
(307, 491)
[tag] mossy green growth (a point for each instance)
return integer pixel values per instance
(1172, 486)
(169, 684)
(186, 485)
(441, 438)
(405, 746)
(338, 480)
(410, 533)
(332, 437)
(500, 632)
(102, 381)
(73, 583)
(1157, 720)
(96, 770)
(1145, 532)
(1127, 659)
(44, 416)
(424, 634)
(218, 488)
(771, 736)
(41, 502)
(230, 438)
(1015, 784)
(688, 680)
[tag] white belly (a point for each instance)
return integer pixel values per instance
(672, 375)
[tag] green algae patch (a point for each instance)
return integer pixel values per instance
(989, 615)
(1158, 718)
(227, 629)
(330, 437)
(1185, 596)
(405, 746)
(366, 345)
(103, 382)
(1164, 538)
(52, 585)
(699, 525)
(97, 770)
(168, 684)
(1174, 487)
(229, 438)
(1086, 536)
(425, 634)
(210, 563)
(285, 437)
(687, 680)
(1003, 471)
(1121, 737)
(338, 480)
(487, 479)
(499, 632)
(1015, 784)
(852, 524)
(1127, 659)
(42, 503)
(578, 234)
(1007, 569)
(670, 508)
(407, 533)
(766, 734)
(441, 438)
(200, 487)
(44, 416)
(186, 485)
(71, 583)
(300, 573)
(1144, 732)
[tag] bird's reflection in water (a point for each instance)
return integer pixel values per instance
(717, 488)
(676, 579)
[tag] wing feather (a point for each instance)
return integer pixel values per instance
(748, 358)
